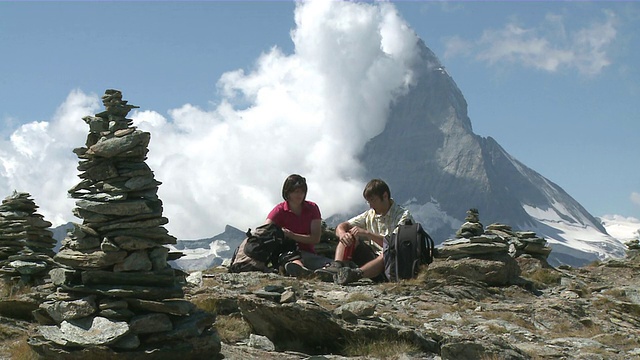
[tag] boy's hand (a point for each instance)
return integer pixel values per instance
(359, 232)
(348, 239)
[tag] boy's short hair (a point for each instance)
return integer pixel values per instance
(293, 182)
(376, 187)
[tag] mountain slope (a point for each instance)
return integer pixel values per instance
(439, 168)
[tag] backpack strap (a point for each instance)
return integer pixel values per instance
(429, 245)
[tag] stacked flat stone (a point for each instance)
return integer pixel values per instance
(527, 242)
(633, 248)
(633, 244)
(521, 242)
(472, 225)
(496, 239)
(485, 245)
(26, 246)
(117, 293)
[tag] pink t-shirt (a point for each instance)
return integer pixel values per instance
(282, 216)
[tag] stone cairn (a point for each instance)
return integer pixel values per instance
(633, 247)
(116, 295)
(473, 240)
(26, 246)
(472, 225)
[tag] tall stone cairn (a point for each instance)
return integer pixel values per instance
(26, 246)
(116, 295)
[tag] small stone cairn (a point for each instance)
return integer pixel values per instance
(473, 240)
(116, 295)
(633, 248)
(472, 225)
(26, 246)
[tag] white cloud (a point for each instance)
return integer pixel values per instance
(37, 158)
(310, 112)
(549, 46)
(635, 198)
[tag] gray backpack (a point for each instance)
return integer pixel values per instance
(405, 250)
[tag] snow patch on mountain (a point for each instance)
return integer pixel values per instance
(579, 234)
(620, 227)
(199, 259)
(431, 216)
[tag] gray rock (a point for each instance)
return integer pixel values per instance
(150, 323)
(260, 342)
(184, 327)
(464, 250)
(104, 304)
(127, 342)
(170, 306)
(158, 258)
(110, 147)
(355, 309)
(85, 243)
(93, 331)
(62, 276)
(28, 267)
(121, 208)
(101, 277)
(108, 246)
(89, 259)
(502, 270)
(288, 296)
(148, 223)
(67, 310)
(134, 242)
(284, 323)
(117, 314)
(135, 261)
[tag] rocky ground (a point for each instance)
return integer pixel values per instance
(457, 309)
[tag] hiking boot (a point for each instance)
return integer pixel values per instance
(347, 275)
(295, 270)
(326, 273)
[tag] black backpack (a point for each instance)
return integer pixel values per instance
(405, 250)
(260, 250)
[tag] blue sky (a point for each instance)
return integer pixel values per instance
(555, 83)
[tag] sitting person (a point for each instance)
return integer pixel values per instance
(301, 222)
(361, 237)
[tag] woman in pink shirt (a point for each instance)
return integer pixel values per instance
(301, 222)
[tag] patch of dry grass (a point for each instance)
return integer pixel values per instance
(20, 350)
(568, 328)
(509, 317)
(293, 283)
(215, 270)
(358, 296)
(10, 290)
(379, 348)
(618, 340)
(232, 328)
(619, 294)
(208, 304)
(497, 329)
(7, 332)
(544, 278)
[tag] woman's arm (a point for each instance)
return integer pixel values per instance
(313, 238)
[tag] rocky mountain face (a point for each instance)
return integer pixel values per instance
(436, 165)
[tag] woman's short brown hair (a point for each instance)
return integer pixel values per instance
(293, 182)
